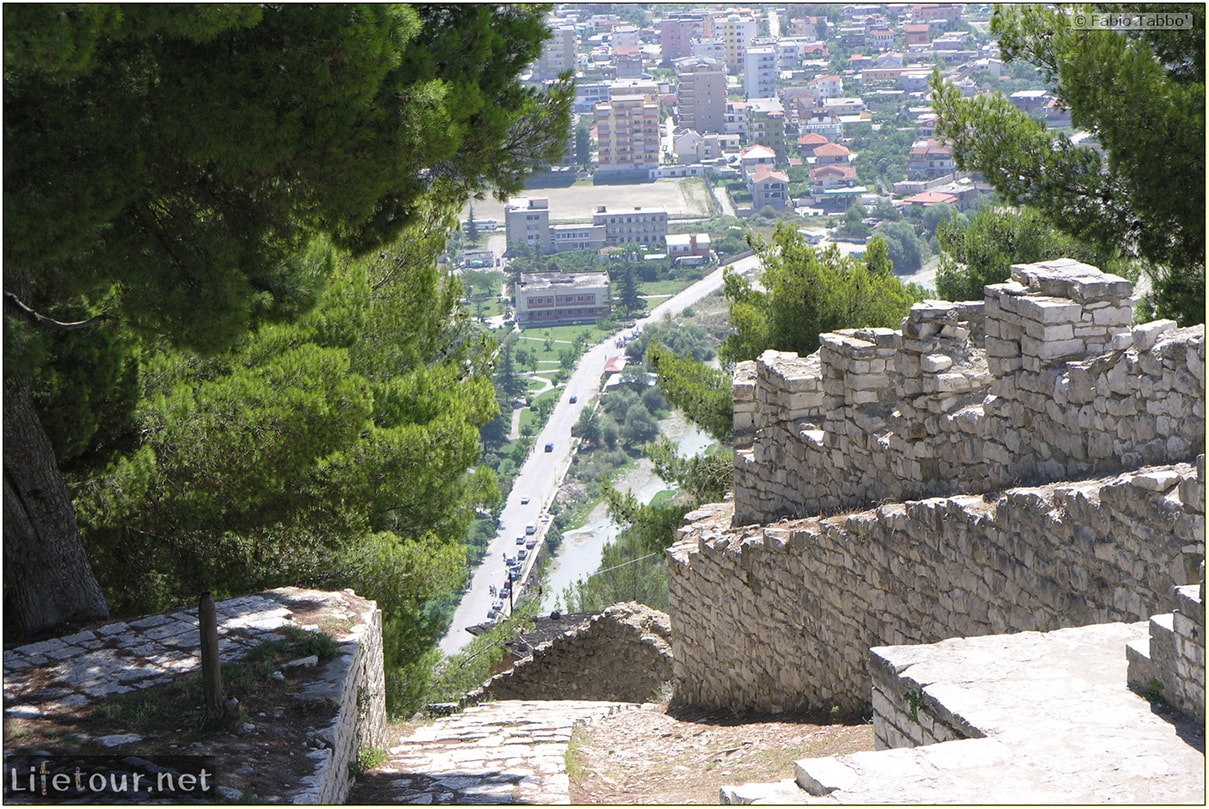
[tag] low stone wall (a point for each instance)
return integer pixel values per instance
(51, 677)
(1043, 381)
(782, 616)
(620, 655)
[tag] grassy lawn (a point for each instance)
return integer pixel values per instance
(558, 338)
(670, 287)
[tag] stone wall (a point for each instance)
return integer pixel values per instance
(1043, 381)
(345, 703)
(782, 616)
(620, 655)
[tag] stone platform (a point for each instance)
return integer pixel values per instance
(1048, 719)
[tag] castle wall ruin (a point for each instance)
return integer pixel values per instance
(1030, 462)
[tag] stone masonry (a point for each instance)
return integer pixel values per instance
(620, 655)
(1044, 381)
(1022, 463)
(60, 675)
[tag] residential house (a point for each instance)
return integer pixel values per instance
(919, 35)
(755, 156)
(768, 188)
(929, 159)
(766, 122)
(736, 119)
(927, 199)
(551, 299)
(684, 248)
(808, 142)
(927, 12)
(831, 154)
(881, 39)
(831, 183)
(825, 87)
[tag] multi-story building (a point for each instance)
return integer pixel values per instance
(627, 133)
(768, 188)
(558, 54)
(701, 94)
(527, 224)
(766, 123)
(825, 87)
(927, 12)
(929, 159)
(565, 238)
(760, 71)
(709, 48)
(736, 31)
(918, 34)
(677, 32)
(551, 299)
(637, 225)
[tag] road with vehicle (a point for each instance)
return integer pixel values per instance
(543, 472)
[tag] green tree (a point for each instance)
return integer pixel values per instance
(983, 251)
(902, 246)
(1142, 94)
(639, 426)
(702, 392)
(588, 426)
(583, 146)
(167, 164)
(805, 293)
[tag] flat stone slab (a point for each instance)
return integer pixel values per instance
(1060, 725)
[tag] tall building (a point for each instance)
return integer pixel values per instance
(527, 224)
(677, 32)
(558, 54)
(736, 31)
(760, 71)
(627, 133)
(701, 94)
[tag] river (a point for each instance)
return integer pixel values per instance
(580, 553)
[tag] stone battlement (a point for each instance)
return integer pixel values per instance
(1043, 381)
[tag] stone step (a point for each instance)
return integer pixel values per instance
(1146, 657)
(1060, 726)
(506, 751)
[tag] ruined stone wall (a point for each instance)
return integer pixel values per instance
(345, 703)
(782, 616)
(621, 655)
(1043, 381)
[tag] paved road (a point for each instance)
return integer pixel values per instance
(543, 472)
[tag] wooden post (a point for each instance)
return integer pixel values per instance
(207, 624)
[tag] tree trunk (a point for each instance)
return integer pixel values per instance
(47, 579)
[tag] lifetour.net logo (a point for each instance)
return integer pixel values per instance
(108, 779)
(1149, 21)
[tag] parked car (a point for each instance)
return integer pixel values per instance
(497, 605)
(491, 613)
(514, 574)
(530, 543)
(520, 540)
(522, 553)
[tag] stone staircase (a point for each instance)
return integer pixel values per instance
(1024, 718)
(510, 751)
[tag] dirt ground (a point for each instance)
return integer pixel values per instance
(657, 756)
(679, 197)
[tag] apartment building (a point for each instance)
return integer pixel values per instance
(527, 224)
(677, 32)
(627, 133)
(929, 159)
(766, 123)
(701, 94)
(553, 299)
(638, 225)
(559, 54)
(760, 71)
(735, 31)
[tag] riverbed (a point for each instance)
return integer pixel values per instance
(581, 550)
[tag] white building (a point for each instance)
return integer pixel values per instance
(551, 299)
